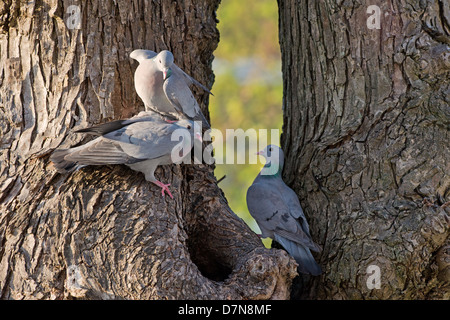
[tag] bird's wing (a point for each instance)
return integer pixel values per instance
(268, 208)
(295, 208)
(180, 96)
(187, 78)
(147, 139)
(104, 128)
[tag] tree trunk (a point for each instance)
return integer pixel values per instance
(105, 232)
(366, 118)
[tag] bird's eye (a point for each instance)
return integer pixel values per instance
(270, 149)
(189, 127)
(159, 61)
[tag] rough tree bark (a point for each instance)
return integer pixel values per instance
(104, 232)
(366, 119)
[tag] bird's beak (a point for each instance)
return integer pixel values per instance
(166, 73)
(198, 136)
(259, 153)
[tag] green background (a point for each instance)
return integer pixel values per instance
(247, 90)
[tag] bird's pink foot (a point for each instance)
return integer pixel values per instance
(170, 121)
(164, 188)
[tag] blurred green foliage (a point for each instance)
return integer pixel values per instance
(248, 88)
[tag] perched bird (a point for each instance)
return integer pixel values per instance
(277, 210)
(164, 87)
(142, 143)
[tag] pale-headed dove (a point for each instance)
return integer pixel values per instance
(164, 87)
(277, 210)
(142, 143)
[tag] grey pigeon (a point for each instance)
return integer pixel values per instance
(164, 87)
(142, 143)
(277, 210)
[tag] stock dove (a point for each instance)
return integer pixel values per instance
(142, 143)
(277, 210)
(164, 87)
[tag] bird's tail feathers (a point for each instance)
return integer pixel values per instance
(204, 88)
(306, 262)
(200, 117)
(61, 164)
(190, 79)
